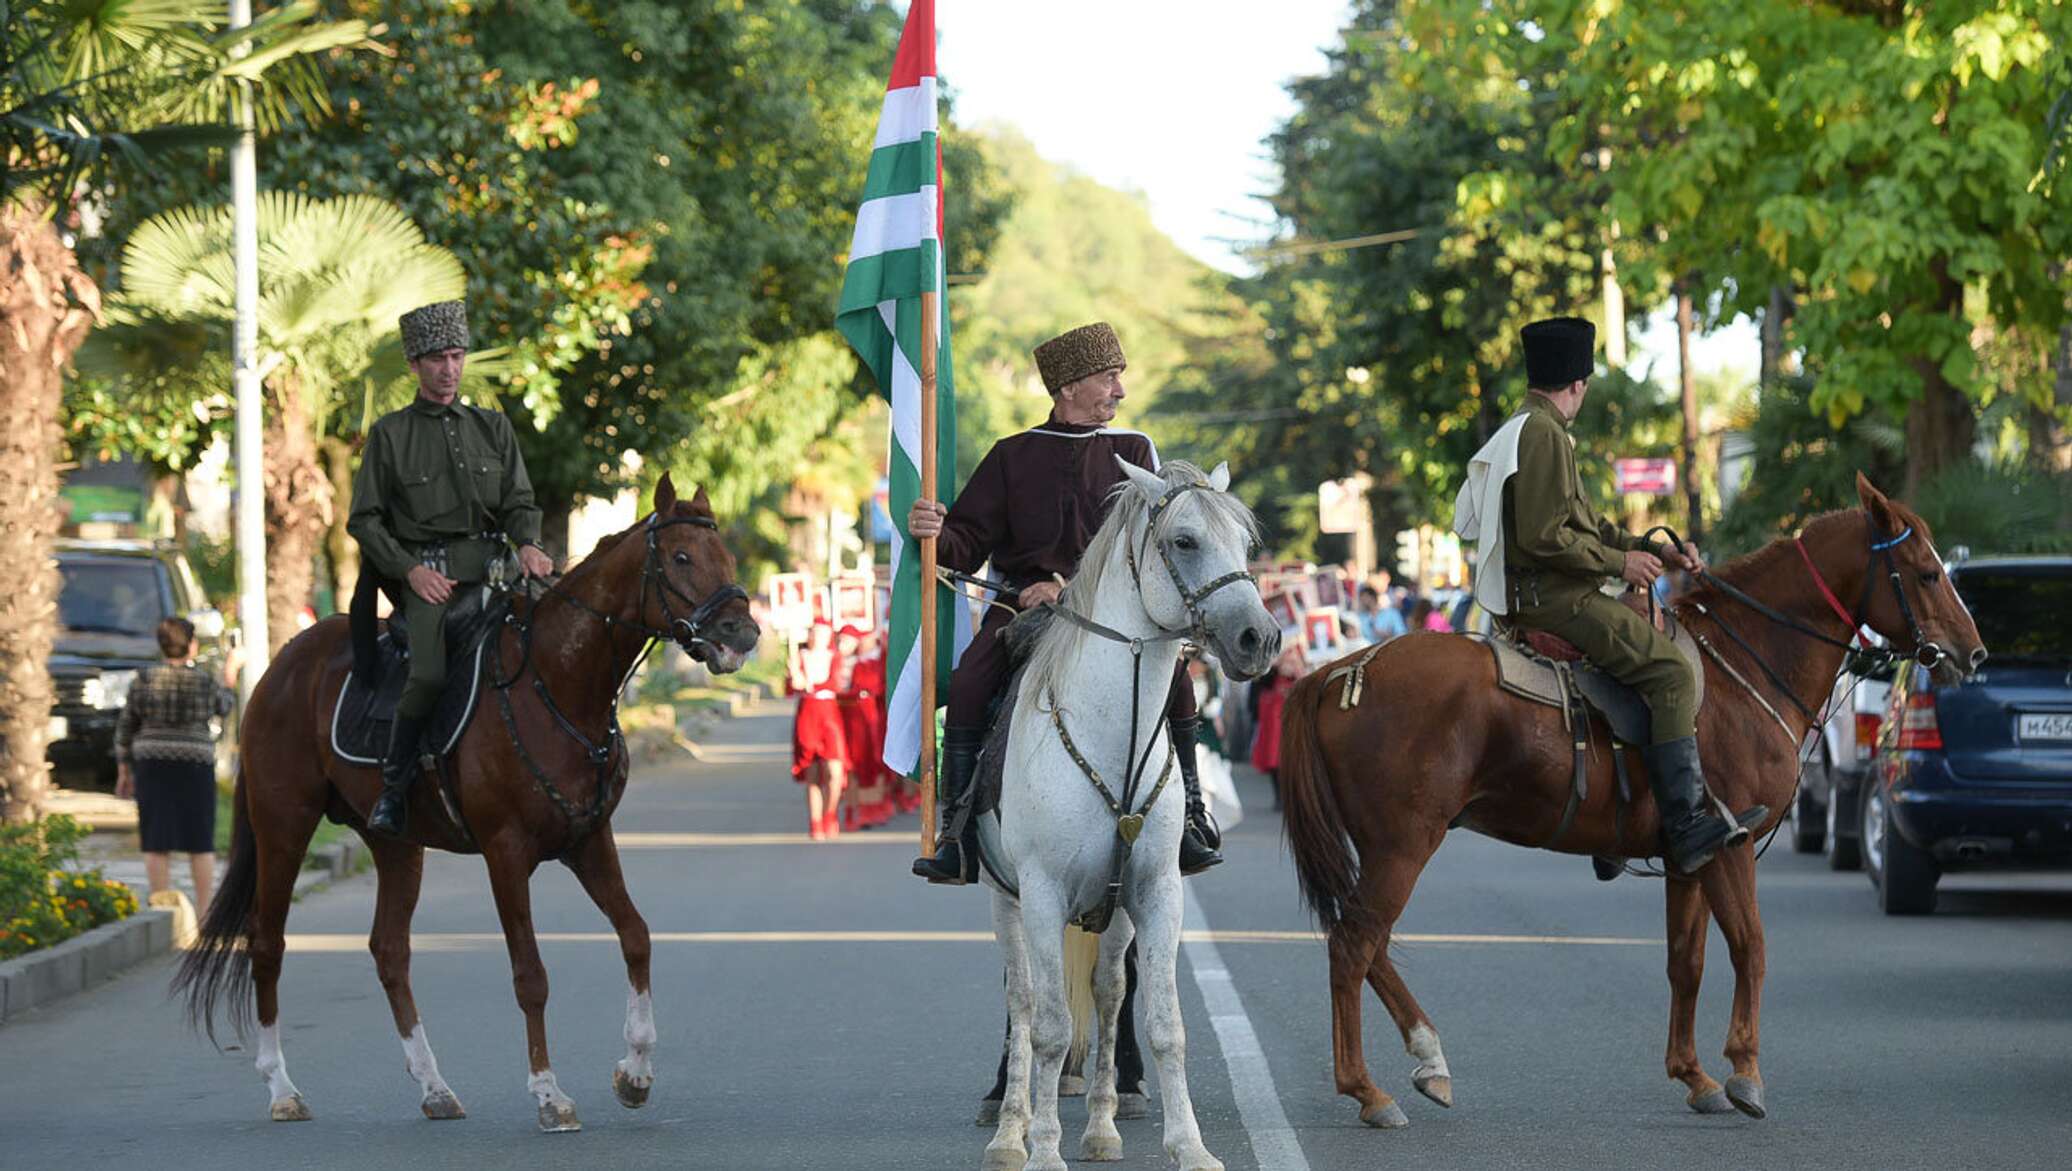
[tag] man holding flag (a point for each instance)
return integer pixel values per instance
(1055, 477)
(1031, 508)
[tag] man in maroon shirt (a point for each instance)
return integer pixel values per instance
(1031, 508)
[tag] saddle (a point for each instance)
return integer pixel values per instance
(1548, 669)
(364, 713)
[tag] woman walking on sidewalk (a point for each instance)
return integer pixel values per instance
(818, 747)
(165, 756)
(863, 730)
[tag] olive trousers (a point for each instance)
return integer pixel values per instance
(1627, 646)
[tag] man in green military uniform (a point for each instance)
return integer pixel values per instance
(440, 490)
(1557, 555)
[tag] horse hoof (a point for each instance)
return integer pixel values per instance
(1746, 1094)
(558, 1119)
(442, 1106)
(1004, 1159)
(1071, 1085)
(1197, 1160)
(1438, 1089)
(1101, 1148)
(1132, 1105)
(291, 1109)
(1712, 1101)
(989, 1112)
(631, 1094)
(1387, 1116)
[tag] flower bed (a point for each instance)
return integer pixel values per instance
(45, 898)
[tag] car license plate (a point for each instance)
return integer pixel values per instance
(2046, 726)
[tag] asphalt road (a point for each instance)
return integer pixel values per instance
(819, 1008)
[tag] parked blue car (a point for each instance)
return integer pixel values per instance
(1979, 774)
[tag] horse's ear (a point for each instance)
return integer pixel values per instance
(1876, 503)
(665, 495)
(699, 501)
(1220, 478)
(1147, 482)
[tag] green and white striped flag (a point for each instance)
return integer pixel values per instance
(895, 256)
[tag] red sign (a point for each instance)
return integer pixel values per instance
(1652, 477)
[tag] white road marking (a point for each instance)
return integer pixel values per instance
(1251, 1081)
(430, 941)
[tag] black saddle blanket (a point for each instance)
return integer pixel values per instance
(361, 720)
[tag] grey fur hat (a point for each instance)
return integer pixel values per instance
(1075, 354)
(442, 325)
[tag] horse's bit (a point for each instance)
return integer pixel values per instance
(685, 631)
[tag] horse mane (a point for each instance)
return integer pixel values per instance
(1058, 647)
(1762, 564)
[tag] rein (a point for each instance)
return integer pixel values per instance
(685, 631)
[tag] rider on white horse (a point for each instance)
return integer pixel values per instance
(1030, 508)
(1089, 827)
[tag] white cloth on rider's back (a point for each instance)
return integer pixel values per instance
(1478, 512)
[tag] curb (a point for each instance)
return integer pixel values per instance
(87, 961)
(82, 962)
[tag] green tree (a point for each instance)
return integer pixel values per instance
(1893, 164)
(89, 90)
(334, 277)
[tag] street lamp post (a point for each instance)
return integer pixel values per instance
(251, 493)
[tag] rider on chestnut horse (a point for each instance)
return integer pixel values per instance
(441, 486)
(1031, 507)
(1556, 553)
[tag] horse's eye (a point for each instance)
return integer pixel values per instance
(1931, 577)
(1183, 541)
(683, 558)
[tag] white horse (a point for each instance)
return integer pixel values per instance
(1168, 563)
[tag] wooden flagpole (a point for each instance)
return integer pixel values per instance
(928, 492)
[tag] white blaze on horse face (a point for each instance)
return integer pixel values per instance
(640, 1039)
(272, 1065)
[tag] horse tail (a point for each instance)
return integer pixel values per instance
(1325, 862)
(217, 967)
(1082, 953)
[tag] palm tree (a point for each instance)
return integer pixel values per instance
(89, 91)
(334, 276)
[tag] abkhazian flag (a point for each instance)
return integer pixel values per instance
(895, 256)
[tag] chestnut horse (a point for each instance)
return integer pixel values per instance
(1370, 792)
(527, 783)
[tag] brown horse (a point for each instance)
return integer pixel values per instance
(527, 783)
(1370, 792)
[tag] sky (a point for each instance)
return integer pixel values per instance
(1173, 99)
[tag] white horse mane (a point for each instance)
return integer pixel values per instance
(1225, 515)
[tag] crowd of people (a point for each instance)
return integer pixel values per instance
(838, 733)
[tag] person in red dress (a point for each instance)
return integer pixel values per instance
(869, 686)
(1273, 700)
(856, 694)
(819, 750)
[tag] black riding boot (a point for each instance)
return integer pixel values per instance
(1692, 830)
(398, 769)
(956, 841)
(1200, 837)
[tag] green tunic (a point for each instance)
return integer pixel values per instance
(1557, 554)
(434, 482)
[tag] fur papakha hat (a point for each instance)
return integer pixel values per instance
(1075, 354)
(1558, 351)
(442, 325)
